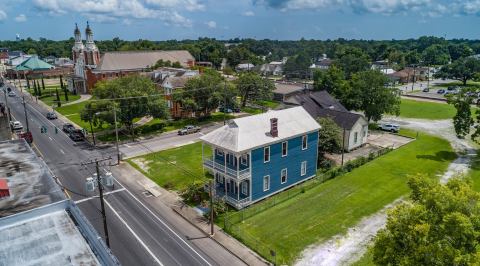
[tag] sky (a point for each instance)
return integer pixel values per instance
(225, 19)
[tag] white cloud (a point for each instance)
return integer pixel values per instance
(114, 10)
(3, 15)
(248, 13)
(190, 5)
(387, 6)
(21, 18)
(470, 7)
(211, 24)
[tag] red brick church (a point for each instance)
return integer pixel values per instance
(91, 66)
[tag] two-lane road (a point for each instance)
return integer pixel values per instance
(138, 234)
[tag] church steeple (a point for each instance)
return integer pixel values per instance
(78, 47)
(92, 55)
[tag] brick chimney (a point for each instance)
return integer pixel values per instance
(274, 127)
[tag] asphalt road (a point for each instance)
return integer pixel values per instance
(139, 235)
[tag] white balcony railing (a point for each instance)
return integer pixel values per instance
(239, 175)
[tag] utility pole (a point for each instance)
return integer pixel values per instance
(413, 82)
(6, 105)
(26, 115)
(343, 144)
(116, 132)
(225, 102)
(212, 227)
(102, 203)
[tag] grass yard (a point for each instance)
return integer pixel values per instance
(51, 100)
(72, 112)
(426, 110)
(175, 168)
(458, 83)
(333, 207)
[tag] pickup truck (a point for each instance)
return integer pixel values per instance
(188, 130)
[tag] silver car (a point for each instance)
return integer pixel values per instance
(394, 128)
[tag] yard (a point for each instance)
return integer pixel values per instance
(175, 168)
(72, 112)
(426, 110)
(333, 207)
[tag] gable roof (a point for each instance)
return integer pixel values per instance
(322, 104)
(34, 63)
(285, 88)
(138, 60)
(177, 82)
(250, 132)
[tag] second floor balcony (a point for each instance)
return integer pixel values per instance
(239, 173)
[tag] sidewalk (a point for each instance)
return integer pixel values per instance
(138, 184)
(83, 98)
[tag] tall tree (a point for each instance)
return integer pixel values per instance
(298, 66)
(439, 225)
(462, 121)
(43, 84)
(352, 60)
(39, 90)
(330, 136)
(464, 69)
(435, 54)
(332, 80)
(252, 86)
(373, 97)
(58, 98)
(138, 97)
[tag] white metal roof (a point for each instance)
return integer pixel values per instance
(250, 132)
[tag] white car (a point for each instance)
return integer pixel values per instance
(15, 125)
(12, 94)
(389, 127)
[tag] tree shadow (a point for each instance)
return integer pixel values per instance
(440, 156)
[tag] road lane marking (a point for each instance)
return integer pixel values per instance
(50, 138)
(62, 151)
(162, 222)
(95, 197)
(133, 233)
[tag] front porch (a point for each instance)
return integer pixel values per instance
(236, 194)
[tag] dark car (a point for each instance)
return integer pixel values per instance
(441, 91)
(426, 90)
(76, 135)
(67, 128)
(51, 116)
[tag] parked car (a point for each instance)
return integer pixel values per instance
(188, 130)
(12, 94)
(441, 91)
(51, 115)
(389, 127)
(76, 135)
(229, 110)
(426, 90)
(67, 127)
(15, 125)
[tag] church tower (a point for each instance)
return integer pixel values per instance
(78, 47)
(92, 55)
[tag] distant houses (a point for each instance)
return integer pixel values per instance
(258, 156)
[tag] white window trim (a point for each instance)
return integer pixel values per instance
(244, 188)
(286, 149)
(264, 149)
(306, 142)
(286, 175)
(268, 187)
(303, 170)
(219, 152)
(244, 159)
(355, 137)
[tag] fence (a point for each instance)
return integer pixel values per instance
(231, 220)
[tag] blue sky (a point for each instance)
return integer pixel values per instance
(273, 19)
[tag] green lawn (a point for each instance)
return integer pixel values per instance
(333, 207)
(426, 110)
(51, 100)
(72, 112)
(175, 168)
(459, 83)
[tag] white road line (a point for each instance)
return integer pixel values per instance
(94, 197)
(162, 222)
(50, 138)
(62, 151)
(134, 234)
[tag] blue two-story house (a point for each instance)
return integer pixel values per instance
(257, 156)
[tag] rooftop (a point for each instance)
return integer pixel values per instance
(137, 60)
(285, 88)
(34, 63)
(247, 133)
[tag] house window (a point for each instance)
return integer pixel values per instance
(245, 188)
(266, 154)
(304, 142)
(283, 176)
(303, 168)
(266, 183)
(244, 159)
(219, 152)
(284, 148)
(355, 137)
(364, 131)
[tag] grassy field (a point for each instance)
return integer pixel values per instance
(175, 168)
(333, 207)
(51, 100)
(459, 83)
(426, 110)
(72, 112)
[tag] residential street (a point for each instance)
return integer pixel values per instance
(140, 234)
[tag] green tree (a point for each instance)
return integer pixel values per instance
(352, 60)
(298, 66)
(57, 98)
(464, 69)
(372, 96)
(176, 64)
(330, 136)
(136, 97)
(332, 80)
(412, 58)
(457, 51)
(462, 121)
(252, 87)
(435, 54)
(439, 225)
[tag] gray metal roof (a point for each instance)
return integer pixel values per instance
(243, 134)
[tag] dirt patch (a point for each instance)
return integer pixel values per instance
(142, 163)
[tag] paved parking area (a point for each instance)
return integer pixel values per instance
(376, 141)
